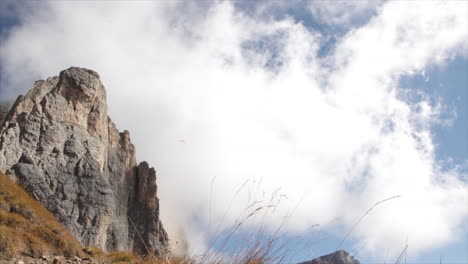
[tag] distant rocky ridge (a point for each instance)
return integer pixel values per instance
(337, 257)
(58, 142)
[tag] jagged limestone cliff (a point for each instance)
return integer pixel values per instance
(59, 143)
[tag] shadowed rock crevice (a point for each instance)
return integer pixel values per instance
(4, 108)
(59, 143)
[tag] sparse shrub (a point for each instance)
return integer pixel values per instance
(9, 243)
(122, 257)
(11, 219)
(35, 247)
(93, 252)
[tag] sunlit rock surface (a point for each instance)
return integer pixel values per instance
(59, 143)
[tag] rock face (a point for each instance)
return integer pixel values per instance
(337, 257)
(58, 142)
(4, 107)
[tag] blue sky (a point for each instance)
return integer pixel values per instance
(334, 105)
(448, 82)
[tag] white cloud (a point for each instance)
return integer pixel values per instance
(342, 13)
(216, 96)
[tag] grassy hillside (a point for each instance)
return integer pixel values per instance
(28, 229)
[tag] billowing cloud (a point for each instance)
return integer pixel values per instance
(232, 109)
(342, 13)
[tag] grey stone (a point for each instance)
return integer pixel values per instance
(337, 257)
(59, 143)
(4, 108)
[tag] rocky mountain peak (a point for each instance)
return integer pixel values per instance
(59, 143)
(337, 257)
